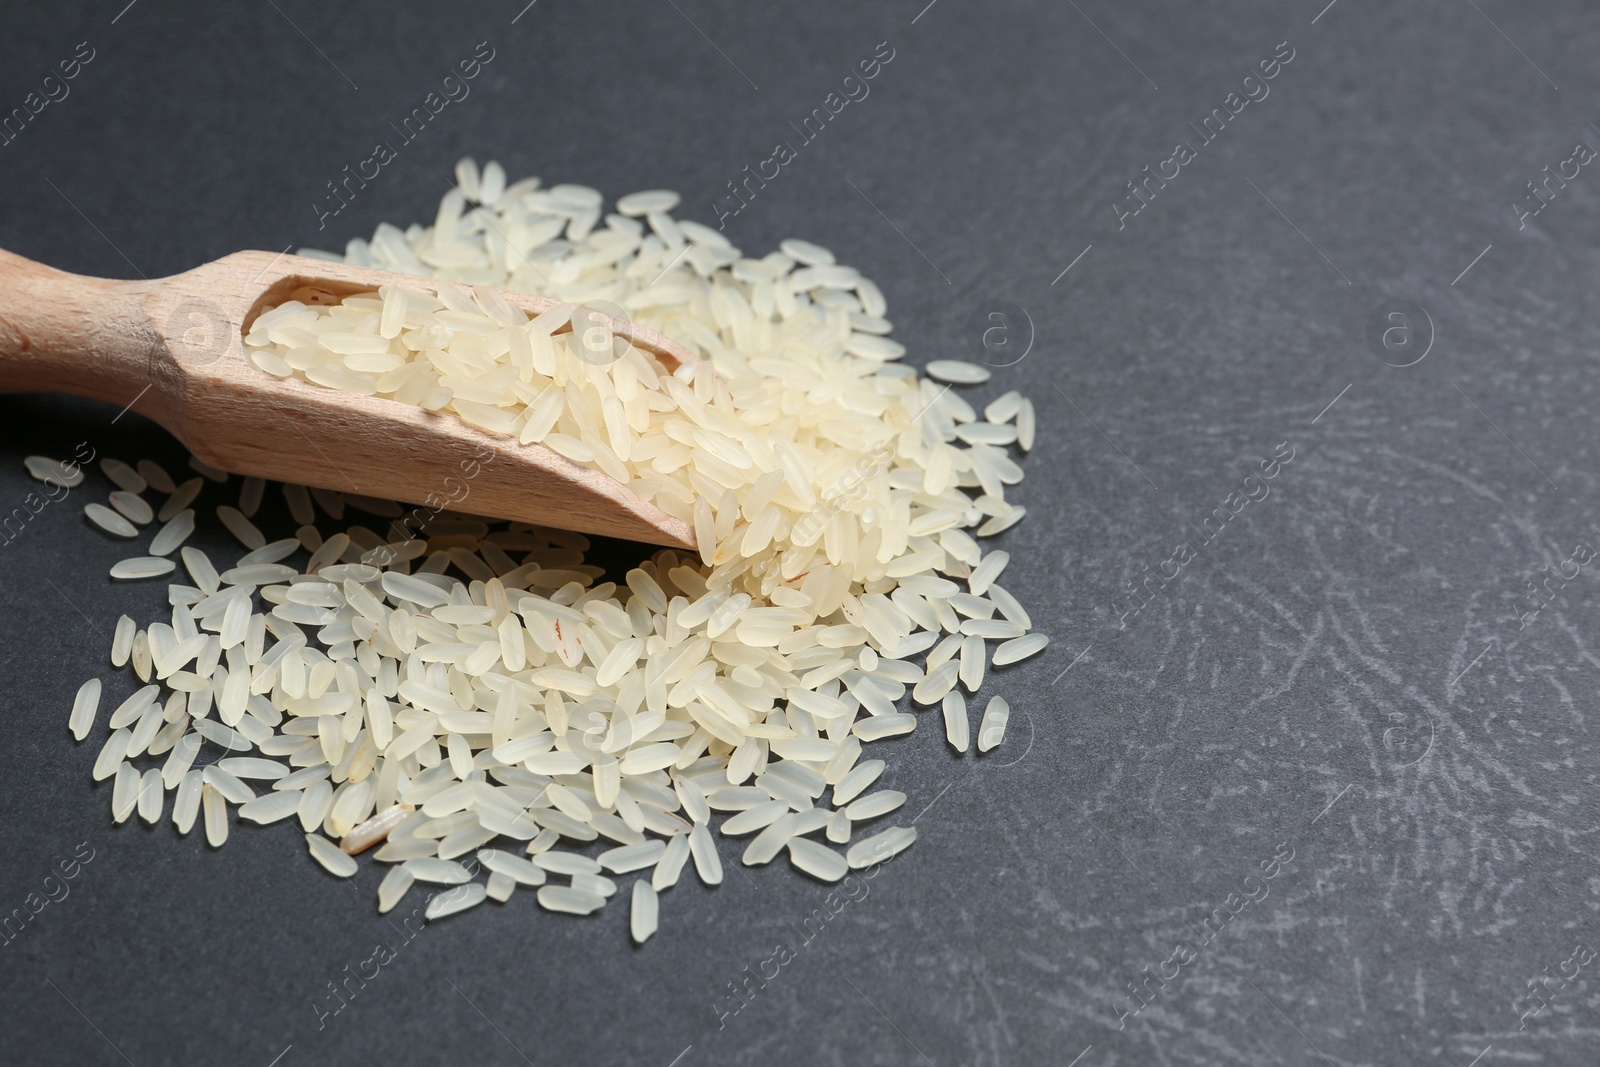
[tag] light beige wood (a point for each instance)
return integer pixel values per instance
(173, 350)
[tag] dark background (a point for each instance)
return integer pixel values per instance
(1341, 672)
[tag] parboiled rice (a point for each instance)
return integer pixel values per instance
(830, 488)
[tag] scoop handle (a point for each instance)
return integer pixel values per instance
(66, 333)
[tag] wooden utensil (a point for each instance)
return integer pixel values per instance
(173, 349)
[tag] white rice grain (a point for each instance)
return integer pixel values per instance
(124, 476)
(524, 872)
(122, 641)
(955, 720)
(992, 730)
(328, 854)
(817, 860)
(152, 796)
(1019, 649)
(394, 886)
(572, 901)
(627, 858)
(857, 779)
(111, 754)
(180, 499)
(132, 507)
(187, 803)
(109, 521)
(84, 707)
(501, 886)
(454, 900)
(438, 871)
(880, 846)
(671, 863)
(216, 814)
(66, 474)
(155, 476)
(957, 371)
(124, 792)
(645, 913)
(874, 805)
(174, 533)
(270, 808)
(881, 726)
(706, 861)
(241, 527)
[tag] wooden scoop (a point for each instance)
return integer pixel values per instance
(173, 349)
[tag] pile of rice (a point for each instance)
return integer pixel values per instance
(476, 696)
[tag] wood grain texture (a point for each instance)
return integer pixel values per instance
(173, 349)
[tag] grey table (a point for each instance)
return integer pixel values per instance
(1305, 775)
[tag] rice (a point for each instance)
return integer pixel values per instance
(940, 680)
(152, 796)
(216, 815)
(132, 507)
(438, 871)
(330, 857)
(124, 792)
(109, 521)
(570, 900)
(174, 533)
(155, 476)
(881, 846)
(395, 884)
(766, 845)
(984, 574)
(270, 808)
(500, 887)
(670, 866)
(180, 499)
(626, 858)
(111, 753)
(956, 722)
(970, 668)
(874, 805)
(1019, 648)
(706, 861)
(645, 911)
(654, 200)
(753, 819)
(315, 803)
(84, 707)
(186, 805)
(454, 900)
(992, 730)
(476, 689)
(958, 371)
(123, 476)
(54, 471)
(241, 527)
(524, 872)
(880, 726)
(838, 829)
(227, 785)
(568, 863)
(817, 860)
(857, 779)
(1003, 408)
(122, 641)
(134, 706)
(598, 884)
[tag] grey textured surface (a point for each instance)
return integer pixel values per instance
(1341, 672)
